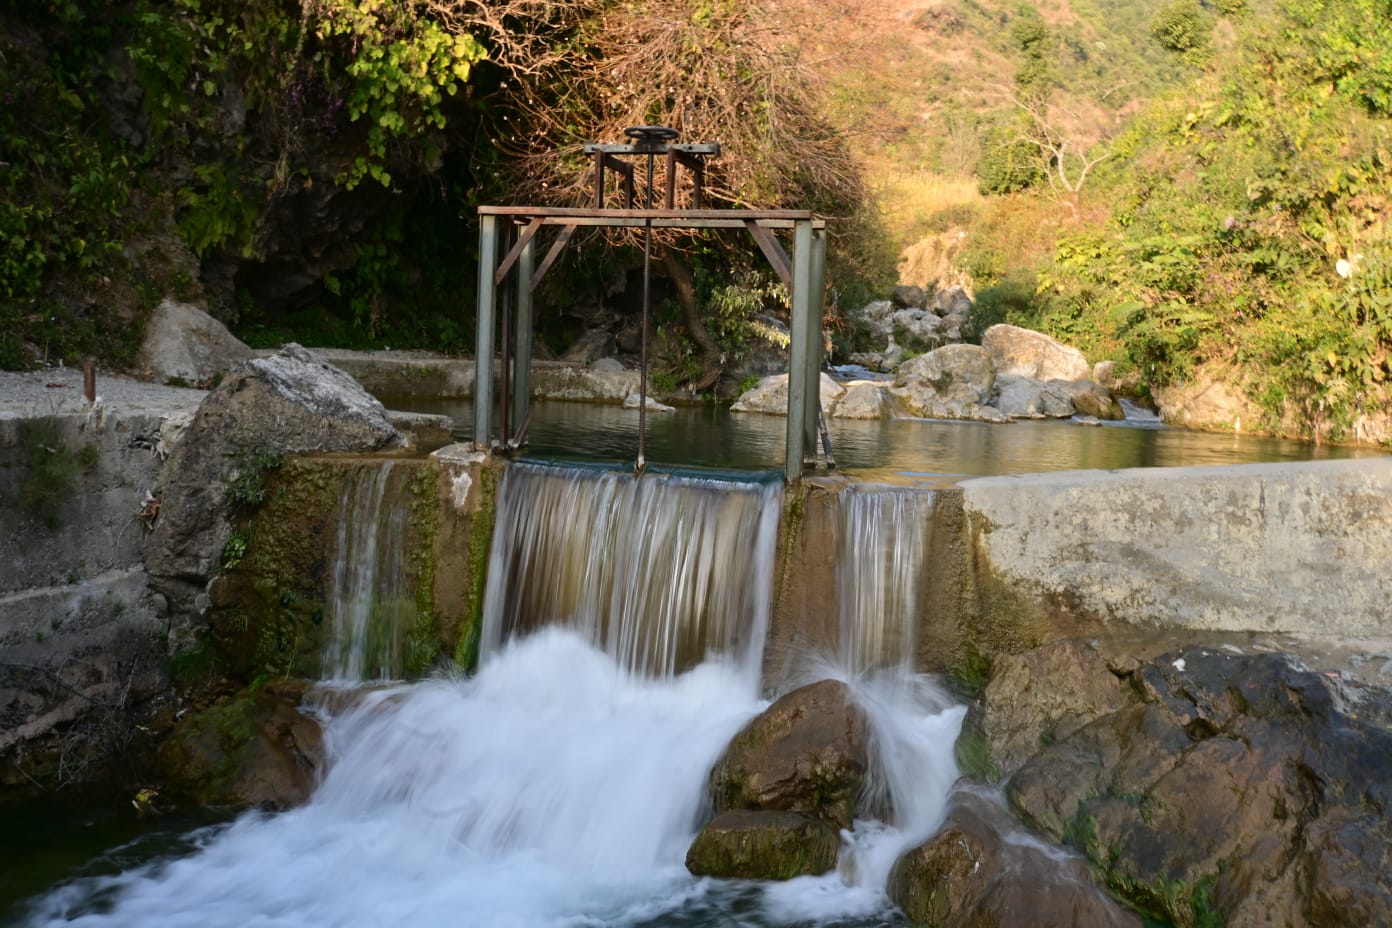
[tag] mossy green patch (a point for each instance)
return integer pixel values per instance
(466, 653)
(422, 644)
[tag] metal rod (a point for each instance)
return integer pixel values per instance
(797, 363)
(89, 381)
(522, 375)
(483, 338)
(642, 464)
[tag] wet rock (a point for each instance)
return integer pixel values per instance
(634, 400)
(1033, 354)
(750, 845)
(808, 753)
(1034, 699)
(980, 870)
(1220, 789)
(255, 749)
(183, 342)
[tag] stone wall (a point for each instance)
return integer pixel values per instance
(1283, 548)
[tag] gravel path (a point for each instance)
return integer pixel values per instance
(58, 391)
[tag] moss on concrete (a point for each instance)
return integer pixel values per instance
(422, 644)
(466, 652)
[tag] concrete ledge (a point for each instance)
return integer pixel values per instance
(1293, 548)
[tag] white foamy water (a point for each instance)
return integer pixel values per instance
(553, 789)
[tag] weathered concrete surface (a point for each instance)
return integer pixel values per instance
(1295, 548)
(81, 633)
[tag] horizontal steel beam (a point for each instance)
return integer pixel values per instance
(688, 148)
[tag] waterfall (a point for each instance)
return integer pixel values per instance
(660, 572)
(880, 558)
(561, 785)
(372, 600)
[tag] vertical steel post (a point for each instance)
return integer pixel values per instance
(522, 373)
(814, 346)
(797, 363)
(483, 337)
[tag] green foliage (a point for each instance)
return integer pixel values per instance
(247, 487)
(1183, 27)
(1009, 161)
(400, 65)
(1248, 224)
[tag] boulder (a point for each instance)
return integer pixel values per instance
(184, 343)
(590, 347)
(808, 753)
(1090, 398)
(748, 845)
(1026, 398)
(1210, 399)
(1220, 788)
(255, 749)
(1031, 699)
(909, 296)
(917, 329)
(584, 384)
(1033, 354)
(874, 320)
(862, 400)
(953, 382)
(953, 301)
(287, 403)
(634, 400)
(770, 395)
(607, 365)
(979, 870)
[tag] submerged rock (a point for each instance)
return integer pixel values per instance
(1210, 787)
(808, 753)
(980, 870)
(743, 844)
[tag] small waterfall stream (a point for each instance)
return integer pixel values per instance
(659, 572)
(560, 786)
(371, 597)
(880, 558)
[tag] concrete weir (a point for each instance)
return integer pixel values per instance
(1288, 548)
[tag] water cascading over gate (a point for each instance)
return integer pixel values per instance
(880, 559)
(659, 572)
(371, 596)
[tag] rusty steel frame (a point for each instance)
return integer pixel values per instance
(803, 273)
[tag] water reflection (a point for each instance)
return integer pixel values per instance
(892, 450)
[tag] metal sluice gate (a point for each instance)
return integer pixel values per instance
(508, 237)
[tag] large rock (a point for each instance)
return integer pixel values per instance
(184, 343)
(980, 871)
(288, 403)
(256, 749)
(1222, 789)
(953, 382)
(808, 753)
(741, 844)
(1090, 398)
(910, 296)
(590, 347)
(1026, 398)
(917, 329)
(863, 399)
(1032, 699)
(770, 395)
(1033, 354)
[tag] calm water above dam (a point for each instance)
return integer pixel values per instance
(903, 451)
